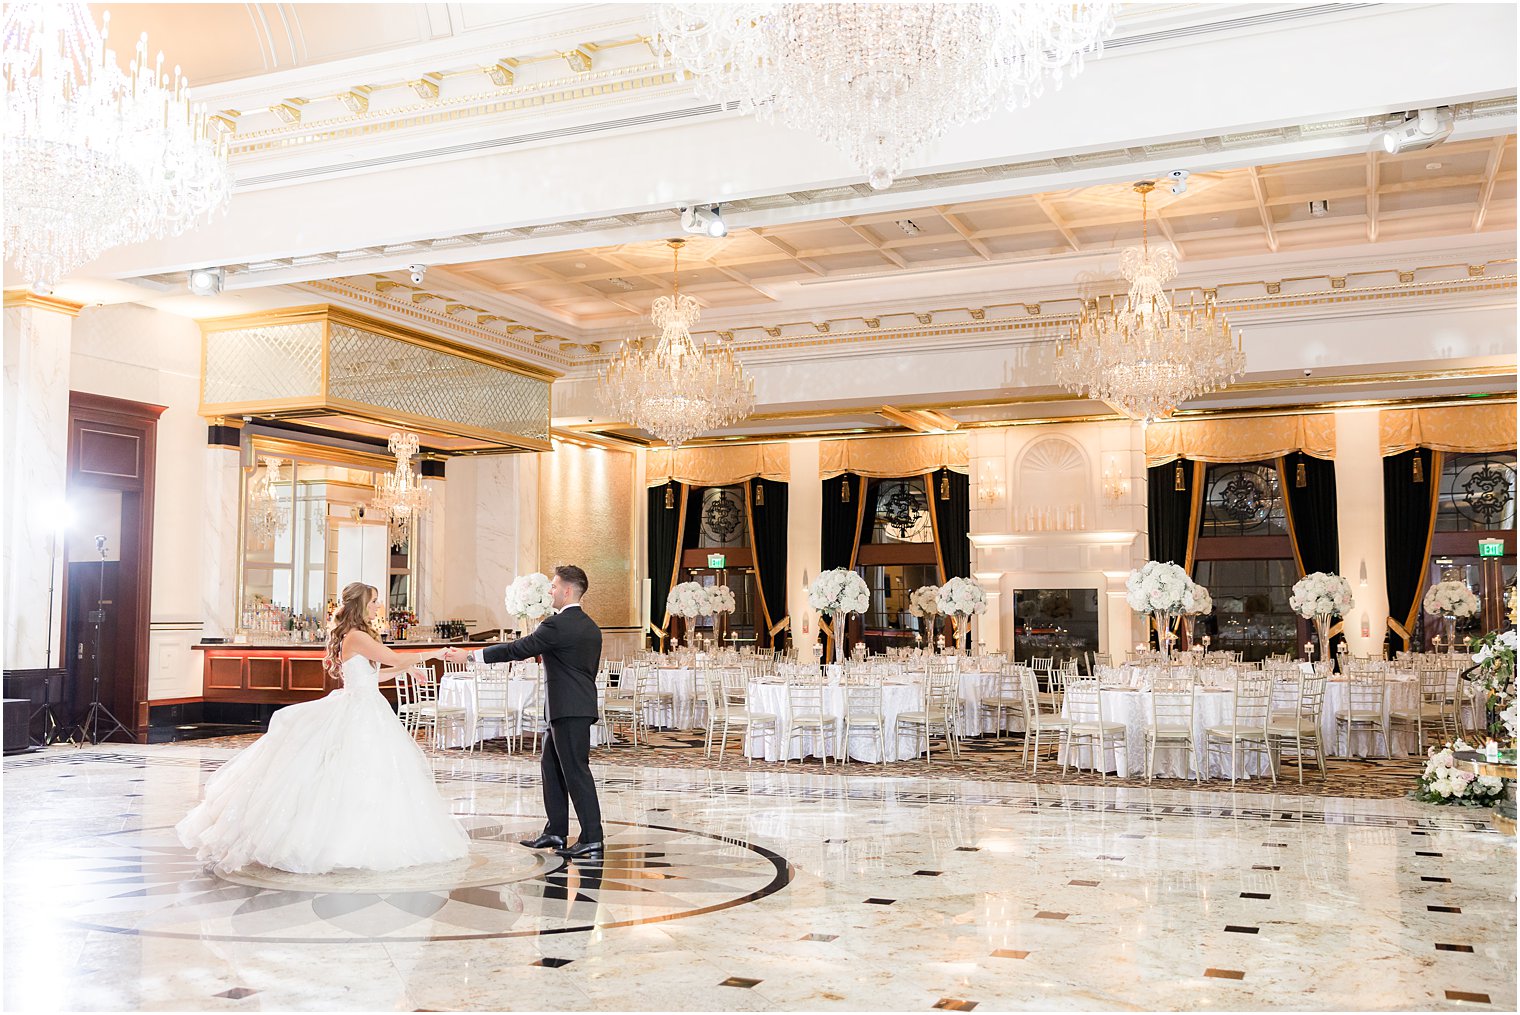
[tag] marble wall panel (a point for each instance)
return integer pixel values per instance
(587, 517)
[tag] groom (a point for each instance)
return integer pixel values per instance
(571, 646)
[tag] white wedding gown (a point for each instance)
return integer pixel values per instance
(335, 783)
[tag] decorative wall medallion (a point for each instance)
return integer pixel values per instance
(902, 513)
(722, 516)
(1242, 498)
(1483, 491)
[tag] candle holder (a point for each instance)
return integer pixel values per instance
(1206, 641)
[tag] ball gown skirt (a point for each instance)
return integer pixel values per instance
(335, 783)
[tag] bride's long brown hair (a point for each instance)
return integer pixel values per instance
(352, 614)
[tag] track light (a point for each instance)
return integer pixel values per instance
(207, 281)
(704, 219)
(1424, 129)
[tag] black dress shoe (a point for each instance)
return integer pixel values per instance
(545, 841)
(581, 851)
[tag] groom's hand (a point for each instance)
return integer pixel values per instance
(455, 655)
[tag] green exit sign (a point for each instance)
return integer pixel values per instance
(718, 561)
(1490, 547)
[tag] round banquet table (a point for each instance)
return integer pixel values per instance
(1403, 696)
(1212, 707)
(454, 689)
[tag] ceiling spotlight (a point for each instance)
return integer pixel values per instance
(704, 219)
(207, 281)
(1179, 178)
(1424, 129)
(1319, 209)
(908, 226)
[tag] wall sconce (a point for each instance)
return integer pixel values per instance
(1115, 485)
(989, 487)
(1363, 574)
(670, 496)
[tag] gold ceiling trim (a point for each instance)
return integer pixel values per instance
(1042, 321)
(298, 450)
(28, 300)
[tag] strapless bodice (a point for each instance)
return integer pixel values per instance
(359, 672)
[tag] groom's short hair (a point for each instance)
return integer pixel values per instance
(572, 575)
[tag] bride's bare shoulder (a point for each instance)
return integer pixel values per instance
(359, 643)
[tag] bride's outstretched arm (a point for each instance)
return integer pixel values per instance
(360, 644)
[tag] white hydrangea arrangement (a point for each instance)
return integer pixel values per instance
(528, 597)
(1451, 599)
(1159, 585)
(1198, 601)
(721, 599)
(1321, 594)
(689, 599)
(1442, 782)
(961, 597)
(839, 591)
(924, 601)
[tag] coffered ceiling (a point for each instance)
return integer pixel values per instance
(1454, 189)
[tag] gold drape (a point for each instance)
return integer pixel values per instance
(675, 572)
(1432, 481)
(890, 457)
(718, 466)
(1479, 427)
(1195, 516)
(939, 556)
(1240, 438)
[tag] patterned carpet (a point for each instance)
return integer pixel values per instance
(993, 759)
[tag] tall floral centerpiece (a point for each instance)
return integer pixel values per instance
(528, 598)
(1494, 655)
(721, 599)
(1197, 603)
(923, 602)
(1450, 600)
(837, 592)
(960, 599)
(1321, 597)
(689, 600)
(1160, 588)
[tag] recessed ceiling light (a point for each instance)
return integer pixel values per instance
(908, 226)
(1432, 165)
(1214, 218)
(1319, 209)
(620, 283)
(580, 264)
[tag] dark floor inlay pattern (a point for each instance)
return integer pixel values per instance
(1444, 909)
(1440, 881)
(1009, 953)
(1225, 974)
(1084, 884)
(1464, 995)
(1106, 857)
(1443, 947)
(739, 981)
(1264, 867)
(880, 902)
(954, 1004)
(237, 993)
(1421, 852)
(819, 937)
(927, 874)
(968, 849)
(552, 963)
(1233, 929)
(1255, 895)
(1046, 915)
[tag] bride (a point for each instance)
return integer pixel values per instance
(335, 783)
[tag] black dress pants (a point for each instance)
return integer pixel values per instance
(566, 767)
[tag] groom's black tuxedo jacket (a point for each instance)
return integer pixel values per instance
(571, 645)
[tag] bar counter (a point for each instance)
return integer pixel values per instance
(283, 674)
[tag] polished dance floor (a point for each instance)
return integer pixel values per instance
(757, 890)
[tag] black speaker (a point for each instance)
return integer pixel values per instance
(18, 713)
(43, 691)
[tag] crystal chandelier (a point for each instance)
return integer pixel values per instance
(267, 517)
(1145, 355)
(399, 496)
(682, 388)
(95, 157)
(882, 81)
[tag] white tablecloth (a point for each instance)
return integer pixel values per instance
(1132, 708)
(1403, 696)
(454, 689)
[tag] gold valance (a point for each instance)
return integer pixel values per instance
(886, 457)
(718, 466)
(1240, 438)
(1479, 427)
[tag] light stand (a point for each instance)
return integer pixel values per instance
(89, 726)
(50, 724)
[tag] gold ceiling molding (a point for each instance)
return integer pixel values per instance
(1471, 428)
(1246, 439)
(422, 314)
(885, 457)
(335, 367)
(718, 466)
(1046, 323)
(28, 300)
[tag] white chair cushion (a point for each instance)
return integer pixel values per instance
(1237, 732)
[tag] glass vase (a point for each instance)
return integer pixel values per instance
(1449, 632)
(1322, 628)
(1163, 622)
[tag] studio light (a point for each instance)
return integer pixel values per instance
(1425, 129)
(704, 219)
(207, 281)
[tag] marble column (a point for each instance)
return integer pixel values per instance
(222, 502)
(432, 539)
(37, 350)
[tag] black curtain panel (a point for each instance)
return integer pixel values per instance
(692, 535)
(767, 500)
(839, 518)
(1169, 510)
(1410, 483)
(1309, 487)
(952, 522)
(664, 530)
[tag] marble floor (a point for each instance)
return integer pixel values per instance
(748, 891)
